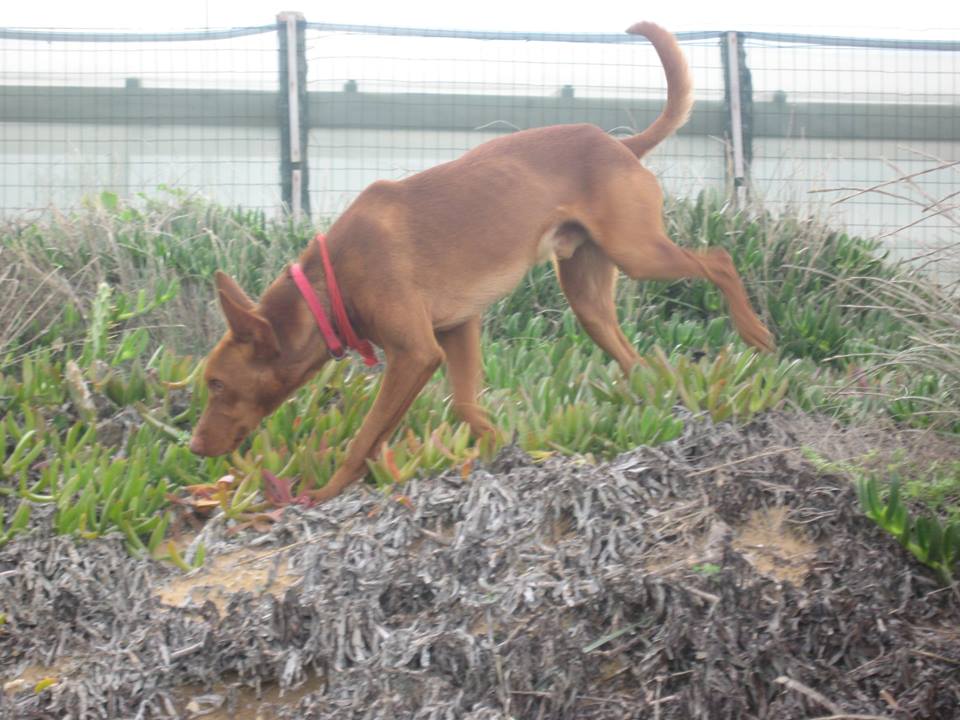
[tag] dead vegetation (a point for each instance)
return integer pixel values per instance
(716, 576)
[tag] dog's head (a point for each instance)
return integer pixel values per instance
(245, 377)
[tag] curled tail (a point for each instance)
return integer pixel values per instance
(679, 89)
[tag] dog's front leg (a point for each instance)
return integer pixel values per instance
(461, 346)
(408, 370)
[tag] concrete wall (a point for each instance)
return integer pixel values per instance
(59, 143)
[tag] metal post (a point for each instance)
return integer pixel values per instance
(736, 116)
(291, 27)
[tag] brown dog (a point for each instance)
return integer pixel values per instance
(419, 260)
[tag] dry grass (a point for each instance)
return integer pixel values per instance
(55, 265)
(31, 300)
(928, 309)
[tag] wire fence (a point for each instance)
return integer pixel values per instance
(302, 116)
(87, 112)
(390, 105)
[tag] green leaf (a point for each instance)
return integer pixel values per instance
(132, 346)
(109, 200)
(21, 517)
(951, 544)
(930, 540)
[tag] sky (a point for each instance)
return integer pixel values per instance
(925, 19)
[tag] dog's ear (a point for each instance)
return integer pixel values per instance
(226, 285)
(246, 324)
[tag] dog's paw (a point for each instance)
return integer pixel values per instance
(762, 339)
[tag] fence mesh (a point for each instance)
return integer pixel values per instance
(831, 121)
(86, 113)
(385, 107)
(824, 118)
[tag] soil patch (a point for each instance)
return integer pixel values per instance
(241, 702)
(776, 550)
(717, 576)
(243, 570)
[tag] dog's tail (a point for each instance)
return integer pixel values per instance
(679, 89)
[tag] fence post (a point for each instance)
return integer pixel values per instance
(293, 120)
(738, 97)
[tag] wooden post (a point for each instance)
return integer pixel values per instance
(291, 29)
(735, 106)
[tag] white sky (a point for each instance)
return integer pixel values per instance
(926, 19)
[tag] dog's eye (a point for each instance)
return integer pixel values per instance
(215, 386)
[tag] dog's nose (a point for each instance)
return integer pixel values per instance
(196, 446)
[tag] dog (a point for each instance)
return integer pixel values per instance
(411, 265)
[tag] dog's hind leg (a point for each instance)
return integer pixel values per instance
(588, 279)
(626, 222)
(461, 345)
(659, 259)
(655, 257)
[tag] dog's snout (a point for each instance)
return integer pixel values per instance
(197, 446)
(212, 444)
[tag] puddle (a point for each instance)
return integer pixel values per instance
(247, 570)
(197, 703)
(768, 543)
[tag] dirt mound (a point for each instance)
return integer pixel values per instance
(718, 576)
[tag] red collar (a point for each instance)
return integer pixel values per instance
(330, 337)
